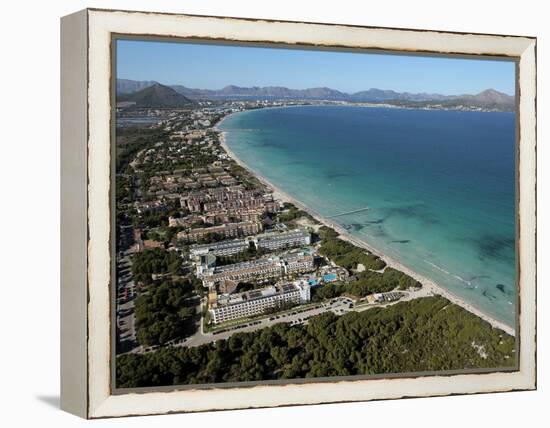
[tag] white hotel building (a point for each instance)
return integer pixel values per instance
(266, 241)
(278, 241)
(257, 302)
(223, 248)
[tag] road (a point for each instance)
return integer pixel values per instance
(297, 316)
(125, 309)
(338, 306)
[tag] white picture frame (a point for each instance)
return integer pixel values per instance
(86, 217)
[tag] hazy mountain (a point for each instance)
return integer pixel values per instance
(156, 95)
(278, 92)
(387, 95)
(489, 98)
(193, 93)
(126, 86)
(323, 93)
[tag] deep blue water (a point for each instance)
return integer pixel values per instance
(439, 185)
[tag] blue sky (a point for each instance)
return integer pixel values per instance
(208, 66)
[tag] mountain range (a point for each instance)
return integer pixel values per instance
(489, 98)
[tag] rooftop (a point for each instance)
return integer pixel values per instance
(297, 233)
(246, 296)
(220, 245)
(234, 299)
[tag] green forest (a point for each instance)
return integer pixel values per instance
(346, 254)
(164, 308)
(376, 278)
(365, 283)
(154, 261)
(428, 334)
(165, 312)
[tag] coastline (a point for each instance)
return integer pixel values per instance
(429, 286)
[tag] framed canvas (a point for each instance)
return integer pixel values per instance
(262, 213)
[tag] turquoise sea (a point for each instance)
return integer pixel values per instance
(434, 189)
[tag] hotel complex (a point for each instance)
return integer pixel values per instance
(260, 269)
(223, 248)
(278, 241)
(256, 302)
(267, 241)
(222, 280)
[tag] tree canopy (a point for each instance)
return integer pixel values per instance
(164, 312)
(346, 254)
(154, 261)
(428, 334)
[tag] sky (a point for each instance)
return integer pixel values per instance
(209, 66)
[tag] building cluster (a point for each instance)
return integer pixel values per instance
(220, 214)
(181, 180)
(256, 270)
(193, 121)
(150, 206)
(222, 281)
(224, 231)
(225, 212)
(215, 206)
(229, 201)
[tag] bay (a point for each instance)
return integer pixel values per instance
(433, 189)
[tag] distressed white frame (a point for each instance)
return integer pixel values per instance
(99, 402)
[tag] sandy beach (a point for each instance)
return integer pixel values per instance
(429, 286)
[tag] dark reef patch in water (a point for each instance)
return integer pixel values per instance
(295, 162)
(504, 289)
(493, 246)
(379, 232)
(264, 142)
(377, 221)
(488, 295)
(337, 174)
(474, 277)
(419, 212)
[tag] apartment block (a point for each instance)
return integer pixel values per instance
(223, 248)
(230, 230)
(278, 241)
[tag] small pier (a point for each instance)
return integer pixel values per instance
(348, 212)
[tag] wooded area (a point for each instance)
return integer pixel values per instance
(428, 334)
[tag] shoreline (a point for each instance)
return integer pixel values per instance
(429, 285)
